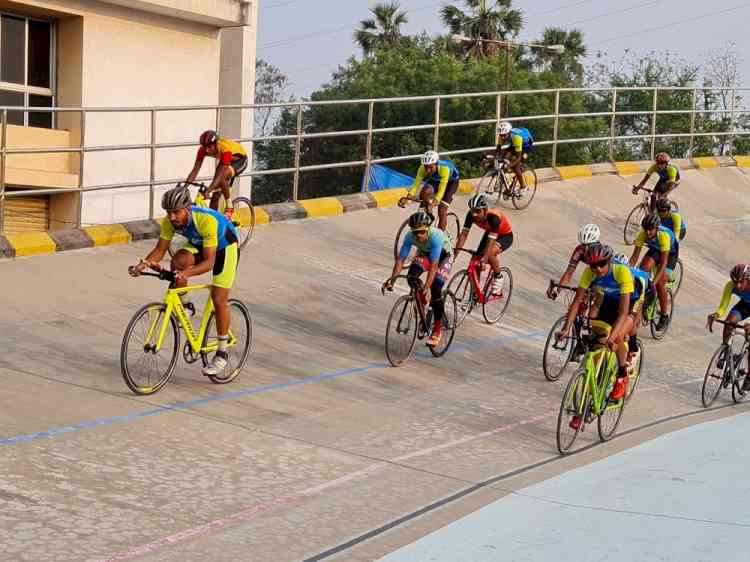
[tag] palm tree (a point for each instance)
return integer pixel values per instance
(485, 19)
(382, 31)
(568, 62)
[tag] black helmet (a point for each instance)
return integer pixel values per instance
(478, 202)
(419, 220)
(651, 221)
(208, 138)
(597, 252)
(663, 205)
(176, 198)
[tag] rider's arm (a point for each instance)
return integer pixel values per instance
(436, 250)
(725, 297)
(197, 166)
(468, 222)
(650, 171)
(665, 245)
(677, 224)
(157, 254)
(445, 174)
(567, 275)
(403, 253)
(625, 280)
(417, 181)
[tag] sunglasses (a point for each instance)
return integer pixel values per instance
(599, 264)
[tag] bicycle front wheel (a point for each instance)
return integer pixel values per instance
(608, 420)
(146, 369)
(633, 223)
(241, 340)
(488, 183)
(556, 354)
(449, 325)
(243, 220)
(496, 301)
(714, 378)
(463, 291)
(738, 395)
(520, 197)
(655, 333)
(453, 227)
(401, 331)
(574, 404)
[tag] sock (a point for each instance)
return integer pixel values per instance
(223, 340)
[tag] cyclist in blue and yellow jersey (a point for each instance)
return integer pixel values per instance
(440, 179)
(662, 254)
(212, 245)
(738, 285)
(589, 234)
(669, 178)
(620, 297)
(434, 255)
(673, 220)
(231, 161)
(514, 144)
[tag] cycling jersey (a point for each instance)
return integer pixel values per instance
(226, 151)
(731, 289)
(436, 247)
(446, 172)
(206, 228)
(618, 281)
(665, 241)
(495, 223)
(676, 224)
(669, 173)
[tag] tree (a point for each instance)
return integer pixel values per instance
(567, 63)
(486, 19)
(271, 85)
(384, 30)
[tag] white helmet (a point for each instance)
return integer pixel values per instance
(430, 157)
(621, 258)
(503, 128)
(589, 234)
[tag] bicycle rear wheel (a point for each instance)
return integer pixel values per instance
(144, 369)
(737, 393)
(635, 373)
(241, 332)
(657, 334)
(463, 292)
(522, 198)
(556, 354)
(403, 229)
(401, 330)
(677, 274)
(488, 183)
(495, 304)
(575, 403)
(449, 325)
(714, 377)
(453, 227)
(243, 220)
(633, 223)
(608, 420)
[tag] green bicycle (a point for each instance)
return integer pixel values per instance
(587, 395)
(651, 312)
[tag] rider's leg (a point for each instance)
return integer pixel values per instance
(181, 261)
(518, 169)
(442, 216)
(225, 270)
(661, 290)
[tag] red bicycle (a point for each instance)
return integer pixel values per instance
(470, 290)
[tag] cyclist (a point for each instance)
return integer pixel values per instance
(514, 144)
(662, 254)
(589, 234)
(669, 178)
(672, 220)
(231, 161)
(620, 303)
(738, 284)
(434, 255)
(212, 246)
(440, 179)
(498, 235)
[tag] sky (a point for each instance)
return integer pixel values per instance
(307, 39)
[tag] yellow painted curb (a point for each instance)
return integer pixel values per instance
(322, 207)
(108, 234)
(31, 243)
(465, 186)
(388, 197)
(742, 161)
(627, 168)
(571, 172)
(261, 217)
(706, 162)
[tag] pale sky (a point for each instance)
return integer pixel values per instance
(307, 39)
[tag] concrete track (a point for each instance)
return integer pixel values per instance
(319, 441)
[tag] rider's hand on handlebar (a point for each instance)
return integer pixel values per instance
(636, 189)
(403, 201)
(388, 285)
(552, 292)
(136, 270)
(710, 321)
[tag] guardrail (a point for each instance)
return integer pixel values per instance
(368, 159)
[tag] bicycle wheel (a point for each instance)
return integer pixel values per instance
(522, 198)
(609, 419)
(635, 373)
(241, 332)
(449, 325)
(463, 292)
(656, 334)
(495, 304)
(574, 403)
(677, 274)
(401, 331)
(144, 369)
(243, 220)
(453, 227)
(739, 379)
(557, 355)
(633, 223)
(487, 184)
(403, 229)
(714, 377)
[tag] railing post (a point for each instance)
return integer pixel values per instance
(297, 150)
(152, 170)
(692, 123)
(436, 133)
(368, 148)
(79, 210)
(612, 127)
(217, 119)
(555, 128)
(731, 124)
(3, 145)
(653, 124)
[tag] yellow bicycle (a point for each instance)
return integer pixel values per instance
(151, 343)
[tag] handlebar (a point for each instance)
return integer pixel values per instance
(394, 279)
(164, 274)
(733, 325)
(555, 284)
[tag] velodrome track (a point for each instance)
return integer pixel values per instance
(319, 446)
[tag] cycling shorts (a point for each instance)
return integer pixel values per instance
(505, 241)
(225, 266)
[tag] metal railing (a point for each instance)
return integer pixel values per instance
(368, 159)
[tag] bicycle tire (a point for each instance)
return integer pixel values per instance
(127, 369)
(616, 410)
(453, 227)
(404, 305)
(635, 375)
(677, 274)
(709, 394)
(463, 291)
(240, 317)
(449, 326)
(633, 223)
(570, 406)
(737, 381)
(571, 342)
(243, 220)
(487, 184)
(399, 238)
(492, 315)
(529, 174)
(656, 334)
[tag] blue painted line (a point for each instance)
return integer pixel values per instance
(458, 348)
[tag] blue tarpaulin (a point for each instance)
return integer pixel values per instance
(383, 177)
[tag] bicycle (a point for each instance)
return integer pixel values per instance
(505, 183)
(634, 218)
(730, 374)
(243, 218)
(469, 291)
(408, 321)
(153, 334)
(652, 311)
(587, 393)
(675, 281)
(570, 348)
(452, 227)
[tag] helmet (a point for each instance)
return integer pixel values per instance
(662, 158)
(176, 198)
(478, 202)
(663, 205)
(597, 252)
(621, 258)
(430, 157)
(739, 272)
(503, 128)
(651, 221)
(420, 220)
(589, 234)
(208, 138)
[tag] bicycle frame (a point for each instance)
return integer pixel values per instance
(594, 362)
(421, 312)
